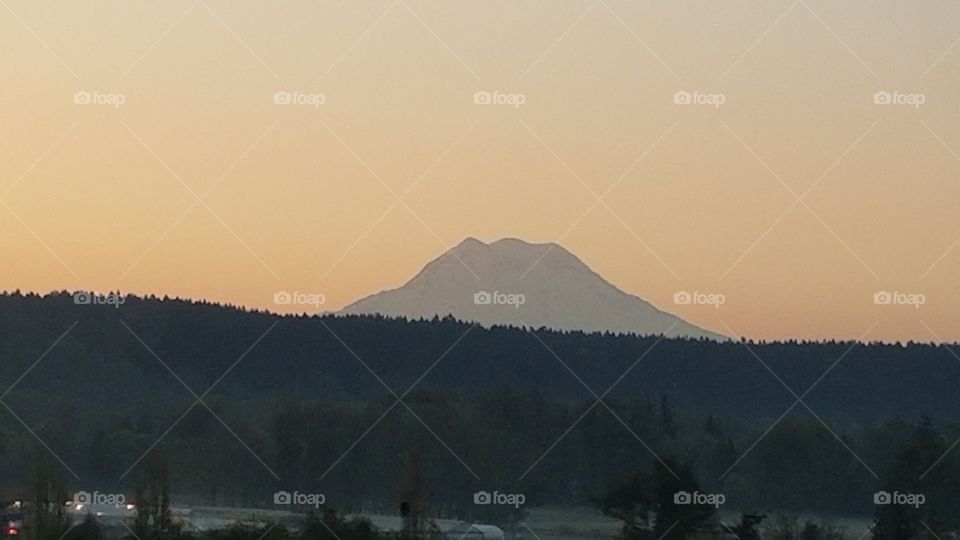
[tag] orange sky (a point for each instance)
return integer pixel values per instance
(304, 198)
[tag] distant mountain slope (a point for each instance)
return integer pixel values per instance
(514, 282)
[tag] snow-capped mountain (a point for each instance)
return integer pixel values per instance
(513, 282)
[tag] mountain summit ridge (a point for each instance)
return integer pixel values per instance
(511, 281)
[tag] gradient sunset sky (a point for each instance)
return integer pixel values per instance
(798, 198)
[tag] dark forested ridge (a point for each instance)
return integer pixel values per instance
(102, 362)
(312, 403)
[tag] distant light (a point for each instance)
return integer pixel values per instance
(131, 506)
(12, 531)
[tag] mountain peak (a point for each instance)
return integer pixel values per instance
(511, 281)
(507, 241)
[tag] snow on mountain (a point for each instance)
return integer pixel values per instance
(513, 282)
